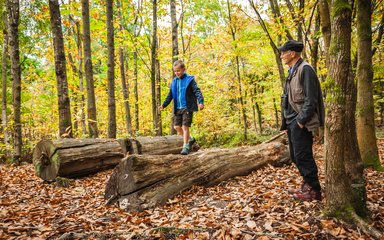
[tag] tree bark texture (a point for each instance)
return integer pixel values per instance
(135, 92)
(140, 182)
(337, 186)
(315, 42)
(123, 68)
(159, 130)
(13, 10)
(153, 67)
(75, 158)
(175, 50)
(4, 73)
(65, 122)
(365, 114)
(111, 71)
(174, 26)
(238, 76)
(91, 102)
(81, 79)
(325, 22)
(81, 157)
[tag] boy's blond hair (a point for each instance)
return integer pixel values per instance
(179, 63)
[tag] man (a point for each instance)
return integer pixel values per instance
(302, 113)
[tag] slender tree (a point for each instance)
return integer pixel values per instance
(137, 26)
(155, 114)
(316, 43)
(271, 42)
(65, 123)
(325, 22)
(111, 72)
(135, 91)
(365, 106)
(237, 61)
(159, 131)
(78, 70)
(175, 49)
(88, 69)
(123, 60)
(13, 11)
(4, 71)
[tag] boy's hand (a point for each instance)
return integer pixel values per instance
(201, 106)
(161, 107)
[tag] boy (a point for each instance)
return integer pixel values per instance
(187, 98)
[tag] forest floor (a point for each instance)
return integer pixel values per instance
(256, 206)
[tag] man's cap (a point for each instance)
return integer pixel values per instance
(292, 45)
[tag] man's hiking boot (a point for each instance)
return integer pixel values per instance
(304, 187)
(309, 195)
(191, 142)
(185, 151)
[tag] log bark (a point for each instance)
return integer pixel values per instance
(75, 157)
(81, 157)
(143, 181)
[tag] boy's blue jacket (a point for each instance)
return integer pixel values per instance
(192, 94)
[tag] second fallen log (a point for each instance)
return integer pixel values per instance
(81, 157)
(144, 181)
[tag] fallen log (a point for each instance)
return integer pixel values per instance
(158, 145)
(81, 157)
(144, 181)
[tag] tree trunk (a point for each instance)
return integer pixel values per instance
(253, 96)
(153, 67)
(259, 119)
(159, 131)
(78, 97)
(91, 102)
(81, 80)
(272, 43)
(13, 10)
(365, 123)
(175, 50)
(4, 71)
(242, 105)
(315, 43)
(276, 114)
(300, 22)
(76, 157)
(65, 122)
(135, 92)
(140, 182)
(81, 157)
(325, 21)
(125, 88)
(111, 71)
(337, 185)
(174, 26)
(353, 164)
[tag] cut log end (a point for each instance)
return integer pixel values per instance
(46, 160)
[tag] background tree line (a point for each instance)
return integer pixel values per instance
(94, 68)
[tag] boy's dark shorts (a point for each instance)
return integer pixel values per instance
(183, 118)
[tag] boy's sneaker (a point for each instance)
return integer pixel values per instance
(185, 151)
(191, 142)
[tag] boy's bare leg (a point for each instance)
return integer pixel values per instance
(186, 134)
(179, 130)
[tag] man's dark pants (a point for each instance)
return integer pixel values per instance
(300, 147)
